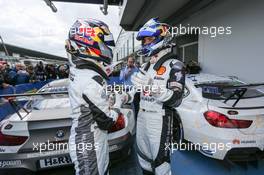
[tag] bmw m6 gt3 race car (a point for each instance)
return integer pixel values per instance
(223, 117)
(36, 136)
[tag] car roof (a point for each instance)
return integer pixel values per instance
(206, 78)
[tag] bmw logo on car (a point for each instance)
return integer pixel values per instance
(60, 134)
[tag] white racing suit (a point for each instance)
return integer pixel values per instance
(157, 114)
(91, 118)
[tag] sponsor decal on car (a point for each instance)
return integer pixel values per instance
(248, 141)
(211, 90)
(48, 153)
(237, 141)
(60, 134)
(10, 163)
(232, 112)
(55, 161)
(2, 150)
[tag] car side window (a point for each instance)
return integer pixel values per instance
(186, 92)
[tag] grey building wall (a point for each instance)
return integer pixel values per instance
(240, 54)
(126, 44)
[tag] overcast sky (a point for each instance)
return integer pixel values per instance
(31, 23)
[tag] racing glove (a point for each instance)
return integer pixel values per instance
(141, 79)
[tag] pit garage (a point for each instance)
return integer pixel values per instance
(236, 54)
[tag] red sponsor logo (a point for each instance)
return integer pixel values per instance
(83, 31)
(146, 93)
(161, 70)
(87, 31)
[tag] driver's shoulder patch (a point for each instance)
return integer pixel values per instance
(177, 65)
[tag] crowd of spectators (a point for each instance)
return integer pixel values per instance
(21, 74)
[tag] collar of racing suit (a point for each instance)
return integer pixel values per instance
(159, 55)
(162, 56)
(80, 64)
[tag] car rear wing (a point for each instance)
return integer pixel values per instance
(38, 95)
(13, 99)
(216, 90)
(230, 86)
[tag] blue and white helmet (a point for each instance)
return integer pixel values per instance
(153, 28)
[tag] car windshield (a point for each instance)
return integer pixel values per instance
(228, 89)
(50, 101)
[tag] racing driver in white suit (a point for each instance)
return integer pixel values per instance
(89, 53)
(162, 82)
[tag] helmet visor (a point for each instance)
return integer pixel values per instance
(109, 40)
(106, 51)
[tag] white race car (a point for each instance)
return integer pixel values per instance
(222, 117)
(36, 136)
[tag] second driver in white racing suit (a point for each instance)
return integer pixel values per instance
(161, 81)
